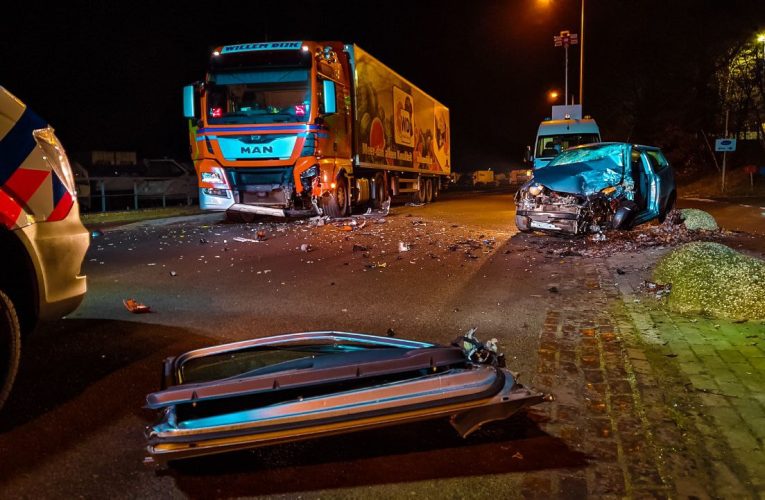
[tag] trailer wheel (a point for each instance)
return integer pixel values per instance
(336, 205)
(428, 190)
(380, 192)
(10, 346)
(420, 195)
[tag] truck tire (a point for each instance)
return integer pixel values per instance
(380, 192)
(428, 190)
(420, 195)
(10, 346)
(336, 205)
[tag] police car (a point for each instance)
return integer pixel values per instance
(42, 241)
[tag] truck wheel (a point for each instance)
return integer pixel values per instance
(428, 190)
(381, 193)
(420, 195)
(10, 346)
(336, 205)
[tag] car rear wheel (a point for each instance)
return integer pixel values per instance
(10, 346)
(667, 207)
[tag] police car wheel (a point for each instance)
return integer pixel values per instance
(10, 346)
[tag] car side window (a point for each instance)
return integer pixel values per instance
(657, 160)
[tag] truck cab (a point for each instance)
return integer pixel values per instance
(565, 129)
(42, 241)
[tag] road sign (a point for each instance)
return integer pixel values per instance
(725, 145)
(750, 169)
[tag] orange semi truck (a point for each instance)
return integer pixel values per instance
(302, 128)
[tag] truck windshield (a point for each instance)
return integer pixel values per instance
(267, 95)
(551, 145)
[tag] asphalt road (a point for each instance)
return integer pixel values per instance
(74, 425)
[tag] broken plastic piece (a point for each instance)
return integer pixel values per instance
(136, 307)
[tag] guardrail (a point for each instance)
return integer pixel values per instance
(102, 190)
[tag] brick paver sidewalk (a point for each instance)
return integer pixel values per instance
(630, 405)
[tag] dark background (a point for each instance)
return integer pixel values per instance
(109, 76)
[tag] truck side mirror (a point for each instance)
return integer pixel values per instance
(527, 157)
(330, 103)
(189, 108)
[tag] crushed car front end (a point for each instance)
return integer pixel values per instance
(584, 190)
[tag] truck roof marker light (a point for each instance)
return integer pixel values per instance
(216, 53)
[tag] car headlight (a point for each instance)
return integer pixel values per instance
(54, 154)
(536, 189)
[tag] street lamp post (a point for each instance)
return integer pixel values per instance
(565, 39)
(581, 59)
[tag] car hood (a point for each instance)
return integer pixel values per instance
(583, 178)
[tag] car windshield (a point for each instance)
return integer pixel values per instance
(551, 145)
(608, 156)
(259, 96)
(248, 361)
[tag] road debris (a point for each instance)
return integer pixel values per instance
(136, 307)
(403, 247)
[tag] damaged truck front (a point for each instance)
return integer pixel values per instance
(590, 189)
(301, 128)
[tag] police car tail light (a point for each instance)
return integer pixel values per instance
(54, 154)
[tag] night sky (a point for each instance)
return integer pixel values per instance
(110, 76)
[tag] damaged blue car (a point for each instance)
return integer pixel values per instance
(595, 187)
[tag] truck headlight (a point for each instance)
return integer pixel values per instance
(54, 154)
(310, 172)
(308, 175)
(212, 177)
